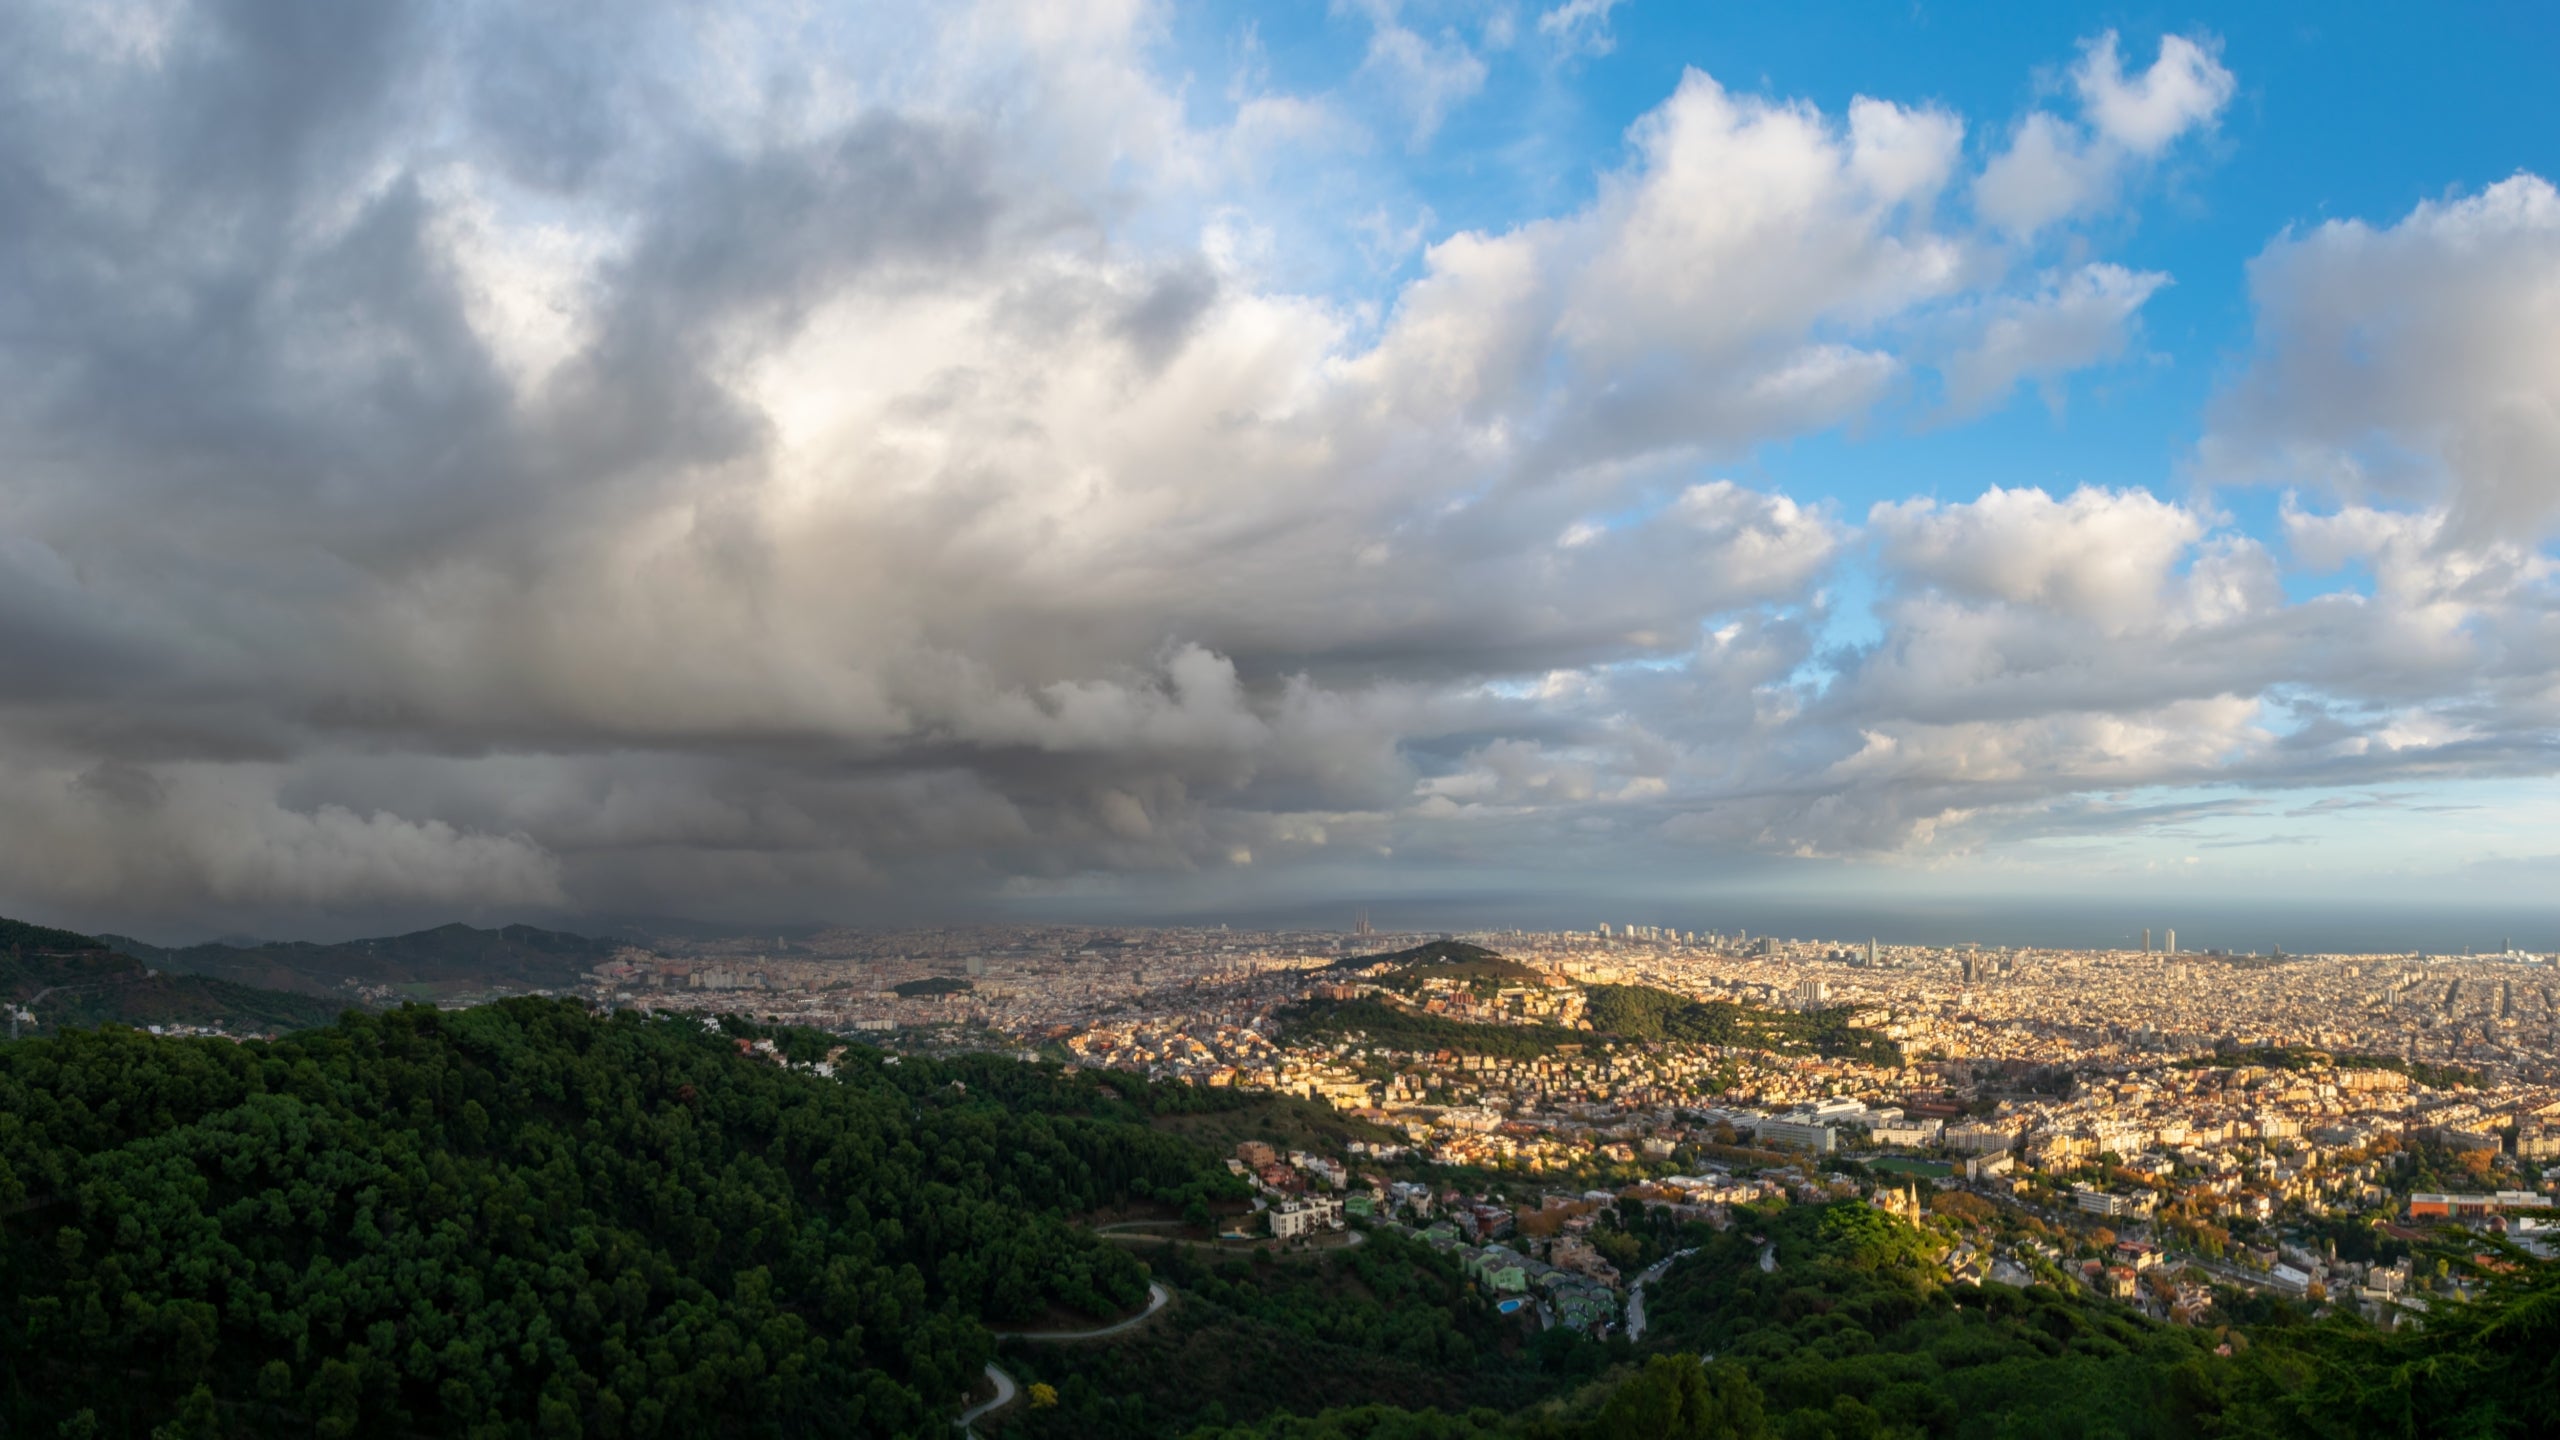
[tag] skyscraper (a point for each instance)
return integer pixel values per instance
(2169, 942)
(2146, 939)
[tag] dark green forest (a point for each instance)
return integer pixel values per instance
(1393, 1027)
(1640, 1012)
(1391, 1322)
(527, 1219)
(1622, 1012)
(934, 985)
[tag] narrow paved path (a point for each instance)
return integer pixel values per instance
(1635, 1292)
(1352, 1240)
(1004, 1396)
(1157, 1296)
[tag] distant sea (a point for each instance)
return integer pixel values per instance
(2298, 927)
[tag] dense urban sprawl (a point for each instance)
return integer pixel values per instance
(2211, 1118)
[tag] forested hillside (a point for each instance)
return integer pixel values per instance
(1621, 1012)
(441, 964)
(1393, 1321)
(1394, 1027)
(528, 1219)
(1640, 1012)
(64, 979)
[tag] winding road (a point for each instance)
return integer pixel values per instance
(1005, 1391)
(1635, 1292)
(1157, 1298)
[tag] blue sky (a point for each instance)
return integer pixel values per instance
(2352, 111)
(884, 461)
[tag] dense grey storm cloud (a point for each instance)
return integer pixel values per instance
(470, 459)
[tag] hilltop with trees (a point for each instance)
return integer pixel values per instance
(1613, 1012)
(1640, 1012)
(527, 1217)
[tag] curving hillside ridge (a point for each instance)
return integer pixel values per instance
(449, 962)
(63, 980)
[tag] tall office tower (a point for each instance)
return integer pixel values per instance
(2169, 942)
(1968, 970)
(2146, 939)
(1604, 929)
(1871, 952)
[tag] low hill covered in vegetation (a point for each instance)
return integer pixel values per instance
(445, 963)
(2305, 1057)
(1394, 1027)
(1641, 1012)
(934, 985)
(66, 980)
(526, 1219)
(1437, 952)
(1617, 1012)
(1445, 962)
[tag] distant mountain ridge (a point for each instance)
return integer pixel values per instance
(446, 963)
(66, 980)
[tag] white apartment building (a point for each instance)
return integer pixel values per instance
(1293, 1218)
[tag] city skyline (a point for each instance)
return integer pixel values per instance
(2040, 474)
